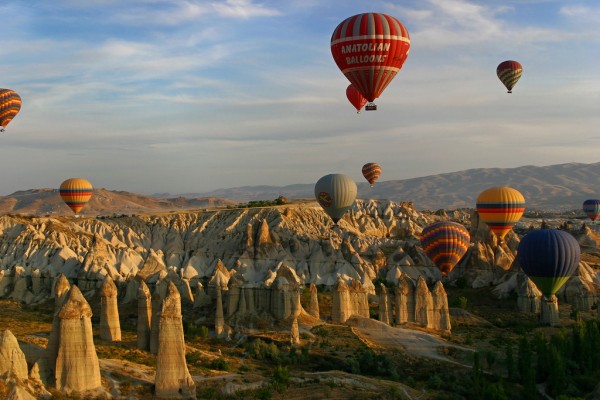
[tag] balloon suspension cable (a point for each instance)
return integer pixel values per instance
(510, 91)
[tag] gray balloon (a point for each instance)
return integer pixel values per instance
(336, 194)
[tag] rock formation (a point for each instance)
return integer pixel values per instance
(313, 306)
(348, 301)
(144, 316)
(441, 313)
(12, 359)
(61, 290)
(219, 320)
(110, 327)
(295, 333)
(549, 311)
(172, 377)
(77, 368)
(528, 295)
(423, 304)
(405, 301)
(384, 307)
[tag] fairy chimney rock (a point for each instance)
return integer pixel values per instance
(384, 306)
(144, 316)
(440, 308)
(219, 320)
(263, 237)
(313, 306)
(295, 333)
(77, 368)
(423, 304)
(61, 291)
(12, 359)
(110, 327)
(172, 377)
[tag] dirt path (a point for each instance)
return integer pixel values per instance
(417, 343)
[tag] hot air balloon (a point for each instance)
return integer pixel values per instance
(370, 49)
(445, 243)
(10, 104)
(549, 257)
(371, 172)
(592, 208)
(500, 208)
(509, 73)
(336, 194)
(76, 192)
(355, 98)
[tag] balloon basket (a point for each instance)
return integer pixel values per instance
(371, 107)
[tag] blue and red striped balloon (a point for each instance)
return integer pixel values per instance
(592, 208)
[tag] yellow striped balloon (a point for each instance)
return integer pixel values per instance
(76, 192)
(10, 105)
(500, 208)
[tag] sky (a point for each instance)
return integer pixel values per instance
(189, 96)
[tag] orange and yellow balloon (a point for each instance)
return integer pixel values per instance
(10, 105)
(76, 192)
(371, 171)
(500, 208)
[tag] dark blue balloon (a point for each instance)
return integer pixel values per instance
(549, 257)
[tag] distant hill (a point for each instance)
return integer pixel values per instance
(553, 187)
(103, 202)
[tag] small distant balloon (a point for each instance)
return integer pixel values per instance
(549, 257)
(592, 208)
(445, 243)
(355, 98)
(10, 105)
(76, 192)
(336, 194)
(500, 208)
(370, 49)
(509, 73)
(371, 172)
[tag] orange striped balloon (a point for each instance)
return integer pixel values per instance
(76, 192)
(500, 208)
(10, 105)
(371, 172)
(445, 243)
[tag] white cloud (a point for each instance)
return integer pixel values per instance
(243, 9)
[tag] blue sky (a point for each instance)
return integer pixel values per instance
(178, 96)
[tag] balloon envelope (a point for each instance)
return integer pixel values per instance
(370, 49)
(371, 172)
(10, 105)
(500, 208)
(76, 192)
(445, 243)
(592, 208)
(355, 97)
(336, 194)
(549, 257)
(509, 73)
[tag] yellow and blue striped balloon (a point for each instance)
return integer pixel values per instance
(500, 208)
(76, 192)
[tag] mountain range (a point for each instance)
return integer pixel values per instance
(553, 187)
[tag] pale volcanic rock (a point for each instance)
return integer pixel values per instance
(201, 299)
(549, 311)
(528, 295)
(263, 236)
(144, 316)
(219, 319)
(294, 333)
(156, 300)
(441, 312)
(313, 306)
(131, 289)
(12, 359)
(153, 266)
(341, 309)
(110, 327)
(405, 301)
(580, 290)
(220, 277)
(423, 304)
(77, 367)
(172, 379)
(61, 290)
(384, 305)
